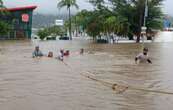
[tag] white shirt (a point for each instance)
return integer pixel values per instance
(142, 58)
(60, 56)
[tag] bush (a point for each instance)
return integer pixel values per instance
(43, 34)
(50, 31)
(4, 28)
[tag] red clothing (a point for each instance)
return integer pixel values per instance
(66, 53)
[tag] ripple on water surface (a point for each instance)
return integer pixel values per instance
(48, 84)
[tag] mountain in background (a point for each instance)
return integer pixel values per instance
(43, 20)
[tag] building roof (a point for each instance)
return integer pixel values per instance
(19, 8)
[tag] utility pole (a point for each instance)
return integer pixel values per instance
(144, 28)
(146, 12)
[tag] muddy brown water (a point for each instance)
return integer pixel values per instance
(48, 84)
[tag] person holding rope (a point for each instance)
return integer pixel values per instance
(67, 53)
(81, 51)
(143, 57)
(61, 55)
(50, 54)
(37, 52)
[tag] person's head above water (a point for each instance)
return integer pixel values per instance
(81, 51)
(37, 48)
(37, 52)
(50, 54)
(67, 52)
(145, 51)
(62, 51)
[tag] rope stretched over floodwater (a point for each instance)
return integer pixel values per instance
(121, 88)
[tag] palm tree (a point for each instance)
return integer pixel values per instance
(68, 4)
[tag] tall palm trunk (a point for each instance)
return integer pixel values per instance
(76, 27)
(69, 9)
(141, 21)
(139, 28)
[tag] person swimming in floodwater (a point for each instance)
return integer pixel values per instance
(50, 54)
(37, 52)
(61, 55)
(143, 57)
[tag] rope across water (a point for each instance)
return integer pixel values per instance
(118, 88)
(122, 88)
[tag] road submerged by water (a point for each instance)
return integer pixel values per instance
(48, 84)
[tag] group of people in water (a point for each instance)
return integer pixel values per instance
(38, 53)
(141, 57)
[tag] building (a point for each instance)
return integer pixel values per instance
(166, 23)
(20, 21)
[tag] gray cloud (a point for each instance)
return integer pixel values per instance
(50, 6)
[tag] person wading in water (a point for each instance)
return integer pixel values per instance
(61, 55)
(143, 57)
(37, 52)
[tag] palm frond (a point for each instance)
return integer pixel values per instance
(67, 3)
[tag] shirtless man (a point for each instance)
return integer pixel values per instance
(143, 57)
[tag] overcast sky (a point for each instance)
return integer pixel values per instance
(49, 6)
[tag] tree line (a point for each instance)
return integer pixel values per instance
(110, 17)
(116, 17)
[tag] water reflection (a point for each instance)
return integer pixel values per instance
(47, 84)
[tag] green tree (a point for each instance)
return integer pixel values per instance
(5, 27)
(43, 33)
(68, 4)
(117, 25)
(98, 4)
(134, 11)
(56, 31)
(92, 22)
(3, 10)
(121, 17)
(154, 19)
(95, 24)
(51, 31)
(112, 17)
(83, 18)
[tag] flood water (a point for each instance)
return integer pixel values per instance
(48, 84)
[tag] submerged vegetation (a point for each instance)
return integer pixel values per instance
(53, 31)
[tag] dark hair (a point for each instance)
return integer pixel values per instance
(145, 49)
